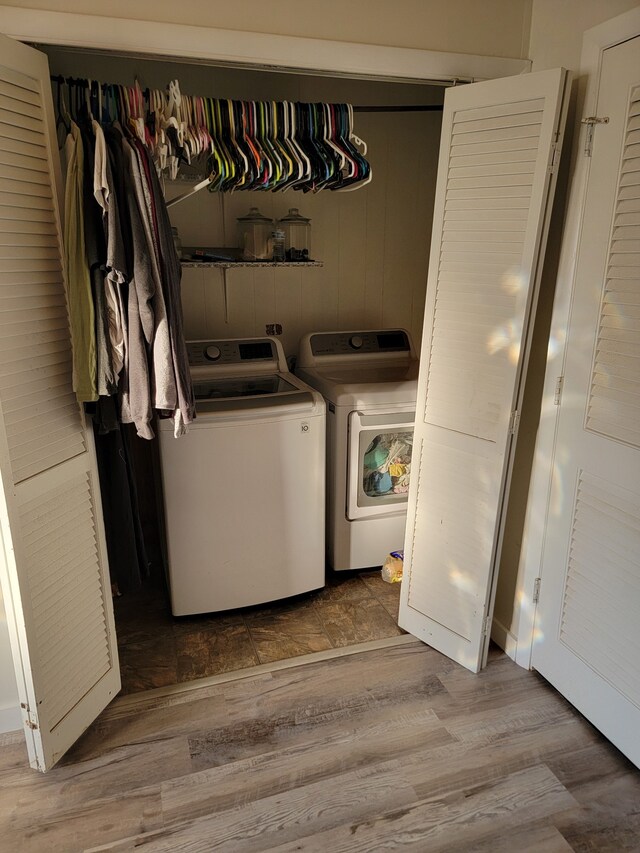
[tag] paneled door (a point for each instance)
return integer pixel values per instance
(53, 564)
(496, 177)
(587, 637)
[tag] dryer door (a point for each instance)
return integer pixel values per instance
(380, 448)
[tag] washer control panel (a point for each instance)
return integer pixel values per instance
(351, 343)
(231, 352)
(213, 352)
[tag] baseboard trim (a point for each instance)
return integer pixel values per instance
(10, 720)
(503, 638)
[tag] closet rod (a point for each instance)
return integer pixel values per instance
(410, 108)
(389, 108)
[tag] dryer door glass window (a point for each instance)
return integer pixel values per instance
(385, 466)
(379, 463)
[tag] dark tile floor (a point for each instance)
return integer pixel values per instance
(157, 649)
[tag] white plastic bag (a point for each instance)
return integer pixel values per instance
(392, 568)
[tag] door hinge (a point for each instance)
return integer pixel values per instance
(558, 392)
(554, 158)
(536, 590)
(486, 626)
(29, 722)
(591, 122)
(514, 422)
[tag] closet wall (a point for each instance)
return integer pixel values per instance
(490, 28)
(374, 242)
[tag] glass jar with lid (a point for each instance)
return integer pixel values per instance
(297, 235)
(254, 233)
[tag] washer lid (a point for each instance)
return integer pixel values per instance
(380, 384)
(245, 398)
(240, 387)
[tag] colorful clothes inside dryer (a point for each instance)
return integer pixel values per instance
(387, 464)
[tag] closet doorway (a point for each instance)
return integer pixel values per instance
(376, 61)
(373, 245)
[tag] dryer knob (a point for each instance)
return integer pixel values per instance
(213, 353)
(355, 341)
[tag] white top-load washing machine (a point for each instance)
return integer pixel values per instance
(244, 490)
(369, 381)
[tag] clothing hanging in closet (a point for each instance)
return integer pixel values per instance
(123, 277)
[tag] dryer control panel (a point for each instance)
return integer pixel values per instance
(369, 342)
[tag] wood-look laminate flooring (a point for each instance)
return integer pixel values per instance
(392, 749)
(157, 649)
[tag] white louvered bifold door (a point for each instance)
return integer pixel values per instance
(588, 617)
(496, 176)
(54, 572)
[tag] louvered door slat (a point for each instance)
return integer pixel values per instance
(629, 193)
(597, 511)
(510, 161)
(79, 657)
(44, 566)
(24, 171)
(11, 116)
(587, 596)
(9, 130)
(48, 518)
(54, 377)
(617, 666)
(44, 366)
(614, 591)
(527, 134)
(25, 435)
(41, 568)
(16, 322)
(613, 410)
(486, 192)
(50, 395)
(42, 559)
(58, 616)
(14, 291)
(17, 185)
(23, 161)
(486, 204)
(16, 86)
(78, 684)
(20, 107)
(13, 147)
(52, 345)
(28, 440)
(31, 459)
(63, 643)
(27, 240)
(40, 264)
(16, 227)
(504, 221)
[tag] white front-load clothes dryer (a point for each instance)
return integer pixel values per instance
(369, 382)
(244, 489)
